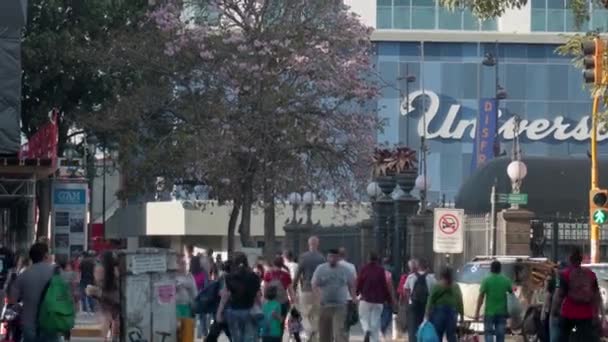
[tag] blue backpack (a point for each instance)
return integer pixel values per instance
(208, 300)
(427, 333)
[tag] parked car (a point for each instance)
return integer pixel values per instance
(528, 275)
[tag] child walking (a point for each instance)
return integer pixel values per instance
(295, 324)
(271, 327)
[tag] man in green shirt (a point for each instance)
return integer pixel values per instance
(494, 290)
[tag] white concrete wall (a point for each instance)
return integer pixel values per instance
(516, 20)
(171, 219)
(365, 8)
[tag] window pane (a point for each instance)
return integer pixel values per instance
(423, 18)
(556, 4)
(384, 20)
(571, 25)
(450, 20)
(471, 22)
(426, 3)
(538, 19)
(402, 3)
(539, 4)
(385, 3)
(489, 25)
(402, 17)
(555, 20)
(599, 19)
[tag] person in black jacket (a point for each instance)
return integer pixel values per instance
(87, 268)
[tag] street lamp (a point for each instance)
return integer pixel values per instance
(491, 60)
(373, 190)
(408, 79)
(517, 171)
(294, 199)
(422, 184)
(308, 200)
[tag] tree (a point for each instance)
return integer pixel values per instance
(60, 36)
(266, 96)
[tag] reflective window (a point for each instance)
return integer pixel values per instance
(427, 15)
(556, 16)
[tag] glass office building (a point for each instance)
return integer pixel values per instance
(444, 50)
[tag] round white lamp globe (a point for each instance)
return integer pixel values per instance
(373, 190)
(295, 198)
(517, 170)
(422, 183)
(308, 198)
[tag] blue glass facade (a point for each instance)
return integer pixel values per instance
(427, 15)
(556, 16)
(544, 89)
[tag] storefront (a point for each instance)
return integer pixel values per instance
(543, 88)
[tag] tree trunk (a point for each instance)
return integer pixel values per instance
(234, 215)
(43, 196)
(269, 222)
(245, 226)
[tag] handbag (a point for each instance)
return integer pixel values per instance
(352, 314)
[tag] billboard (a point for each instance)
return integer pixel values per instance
(69, 218)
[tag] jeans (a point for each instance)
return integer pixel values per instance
(203, 327)
(216, 329)
(86, 302)
(332, 323)
(309, 308)
(554, 329)
(585, 330)
(30, 335)
(495, 326)
(369, 317)
(415, 315)
(444, 319)
(242, 326)
(386, 319)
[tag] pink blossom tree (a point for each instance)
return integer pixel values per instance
(270, 96)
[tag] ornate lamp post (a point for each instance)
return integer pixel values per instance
(295, 199)
(516, 171)
(308, 200)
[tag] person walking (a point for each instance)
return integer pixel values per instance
(444, 305)
(87, 269)
(403, 296)
(332, 283)
(494, 289)
(580, 299)
(241, 298)
(201, 278)
(418, 286)
(277, 277)
(309, 303)
(28, 290)
(374, 291)
(106, 292)
(272, 327)
(550, 322)
(216, 328)
(290, 263)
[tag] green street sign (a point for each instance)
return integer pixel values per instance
(512, 198)
(600, 216)
(518, 198)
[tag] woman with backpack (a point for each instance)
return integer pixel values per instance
(417, 288)
(444, 305)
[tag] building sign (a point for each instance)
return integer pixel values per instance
(448, 230)
(557, 128)
(483, 149)
(68, 220)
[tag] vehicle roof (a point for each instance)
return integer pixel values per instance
(490, 258)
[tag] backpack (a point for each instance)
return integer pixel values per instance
(580, 286)
(281, 291)
(56, 309)
(420, 292)
(208, 299)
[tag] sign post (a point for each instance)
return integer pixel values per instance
(448, 230)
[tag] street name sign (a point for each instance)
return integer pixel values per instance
(448, 230)
(512, 198)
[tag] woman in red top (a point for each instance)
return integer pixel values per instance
(278, 277)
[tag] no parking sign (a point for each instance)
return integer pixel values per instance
(448, 230)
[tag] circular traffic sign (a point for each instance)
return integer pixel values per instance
(448, 224)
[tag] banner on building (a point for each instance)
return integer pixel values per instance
(69, 217)
(485, 133)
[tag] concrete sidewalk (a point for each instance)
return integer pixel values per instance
(87, 326)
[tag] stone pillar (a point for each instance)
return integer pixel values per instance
(420, 244)
(513, 232)
(367, 238)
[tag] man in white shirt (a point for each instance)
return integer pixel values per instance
(418, 292)
(290, 263)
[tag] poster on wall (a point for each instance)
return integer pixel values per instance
(69, 216)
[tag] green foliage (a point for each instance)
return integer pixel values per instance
(58, 48)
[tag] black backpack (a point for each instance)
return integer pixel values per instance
(420, 292)
(208, 300)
